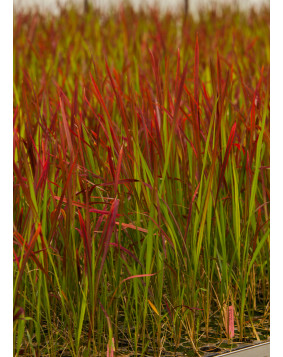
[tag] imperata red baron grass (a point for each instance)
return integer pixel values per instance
(141, 181)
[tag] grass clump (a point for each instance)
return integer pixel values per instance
(141, 180)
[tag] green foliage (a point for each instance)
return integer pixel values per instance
(141, 179)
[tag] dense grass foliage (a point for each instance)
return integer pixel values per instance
(141, 180)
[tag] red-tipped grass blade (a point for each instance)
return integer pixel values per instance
(118, 169)
(226, 157)
(85, 238)
(106, 236)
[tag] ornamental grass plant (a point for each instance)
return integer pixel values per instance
(141, 181)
